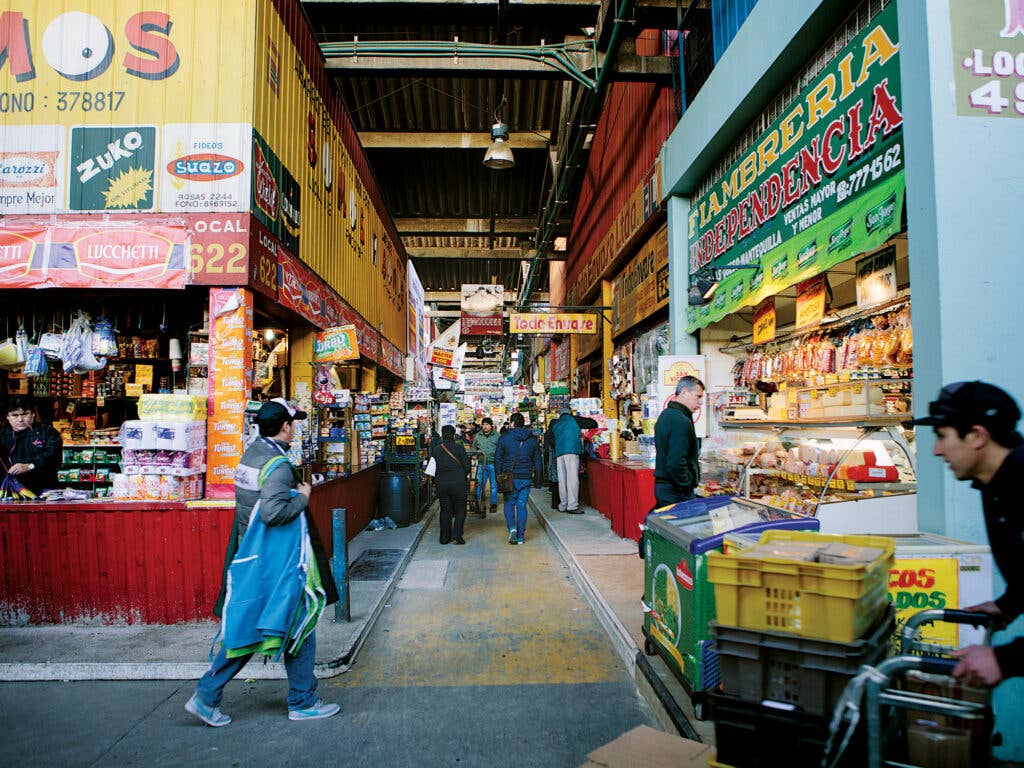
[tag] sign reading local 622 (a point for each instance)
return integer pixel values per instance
(107, 106)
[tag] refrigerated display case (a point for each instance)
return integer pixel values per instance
(678, 599)
(855, 478)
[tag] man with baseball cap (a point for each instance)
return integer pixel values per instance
(265, 476)
(976, 434)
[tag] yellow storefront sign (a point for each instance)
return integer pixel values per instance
(917, 584)
(534, 322)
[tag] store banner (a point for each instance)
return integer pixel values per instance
(926, 583)
(391, 357)
(230, 368)
(484, 383)
(876, 278)
(262, 259)
(764, 321)
(988, 57)
(336, 345)
(560, 361)
(643, 203)
(822, 184)
(416, 329)
(119, 252)
(368, 336)
(299, 288)
(442, 350)
(641, 289)
(671, 368)
(810, 301)
(535, 322)
(92, 97)
(482, 310)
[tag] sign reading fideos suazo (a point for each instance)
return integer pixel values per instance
(557, 323)
(823, 184)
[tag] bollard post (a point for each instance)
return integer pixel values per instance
(342, 608)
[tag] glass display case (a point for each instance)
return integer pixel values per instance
(855, 478)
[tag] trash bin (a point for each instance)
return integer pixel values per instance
(396, 497)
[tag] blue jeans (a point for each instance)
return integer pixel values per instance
(515, 506)
(301, 680)
(485, 473)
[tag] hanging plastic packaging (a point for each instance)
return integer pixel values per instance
(35, 361)
(21, 341)
(104, 342)
(76, 352)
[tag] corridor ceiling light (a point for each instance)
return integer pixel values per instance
(499, 154)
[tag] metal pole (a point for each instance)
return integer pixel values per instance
(342, 608)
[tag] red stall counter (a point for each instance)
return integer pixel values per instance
(137, 562)
(622, 491)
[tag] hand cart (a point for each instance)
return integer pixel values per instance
(888, 734)
(476, 460)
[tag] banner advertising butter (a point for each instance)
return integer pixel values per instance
(86, 253)
(988, 57)
(335, 345)
(231, 322)
(821, 185)
(810, 302)
(535, 322)
(671, 368)
(482, 312)
(642, 287)
(764, 321)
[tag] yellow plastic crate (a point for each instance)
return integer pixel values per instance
(831, 602)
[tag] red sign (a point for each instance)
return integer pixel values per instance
(263, 259)
(131, 251)
(392, 357)
(299, 288)
(218, 253)
(482, 326)
(369, 338)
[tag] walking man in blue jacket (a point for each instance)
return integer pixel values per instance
(518, 452)
(265, 476)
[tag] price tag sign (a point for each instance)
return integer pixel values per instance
(916, 584)
(405, 440)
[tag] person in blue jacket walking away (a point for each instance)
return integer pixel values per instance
(266, 479)
(518, 452)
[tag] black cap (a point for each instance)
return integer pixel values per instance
(279, 409)
(967, 403)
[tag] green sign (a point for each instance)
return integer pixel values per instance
(821, 185)
(988, 57)
(112, 168)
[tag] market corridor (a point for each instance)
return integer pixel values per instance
(487, 654)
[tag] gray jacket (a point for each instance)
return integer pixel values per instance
(278, 505)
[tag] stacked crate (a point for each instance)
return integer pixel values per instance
(797, 617)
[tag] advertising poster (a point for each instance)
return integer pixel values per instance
(442, 351)
(919, 584)
(764, 321)
(204, 167)
(671, 368)
(33, 161)
(230, 370)
(810, 301)
(988, 57)
(482, 311)
(117, 253)
(113, 168)
(876, 278)
(642, 287)
(335, 345)
(823, 184)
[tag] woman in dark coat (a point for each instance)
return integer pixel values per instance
(452, 484)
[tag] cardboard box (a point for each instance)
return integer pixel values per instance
(652, 749)
(935, 747)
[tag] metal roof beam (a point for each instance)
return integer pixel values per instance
(651, 68)
(455, 297)
(451, 140)
(502, 226)
(469, 253)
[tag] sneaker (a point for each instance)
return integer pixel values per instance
(494, 508)
(212, 716)
(459, 540)
(318, 711)
(513, 537)
(519, 541)
(576, 511)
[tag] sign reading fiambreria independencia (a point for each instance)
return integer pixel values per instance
(822, 184)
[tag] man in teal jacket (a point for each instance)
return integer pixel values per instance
(281, 499)
(568, 447)
(486, 442)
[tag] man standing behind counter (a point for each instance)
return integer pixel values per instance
(29, 451)
(676, 471)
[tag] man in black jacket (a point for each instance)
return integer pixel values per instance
(676, 471)
(29, 451)
(976, 435)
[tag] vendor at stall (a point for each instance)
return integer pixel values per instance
(30, 452)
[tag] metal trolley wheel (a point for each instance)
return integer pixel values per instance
(476, 460)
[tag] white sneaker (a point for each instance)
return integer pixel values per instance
(212, 716)
(318, 711)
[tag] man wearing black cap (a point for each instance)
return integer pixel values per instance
(263, 477)
(976, 434)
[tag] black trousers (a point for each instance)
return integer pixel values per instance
(452, 497)
(553, 486)
(667, 493)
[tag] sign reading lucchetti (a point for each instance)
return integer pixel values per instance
(557, 323)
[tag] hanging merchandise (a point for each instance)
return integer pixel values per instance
(21, 342)
(35, 361)
(8, 354)
(76, 351)
(11, 488)
(104, 341)
(51, 344)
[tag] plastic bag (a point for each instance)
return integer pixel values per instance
(21, 341)
(51, 344)
(104, 342)
(76, 351)
(35, 361)
(431, 469)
